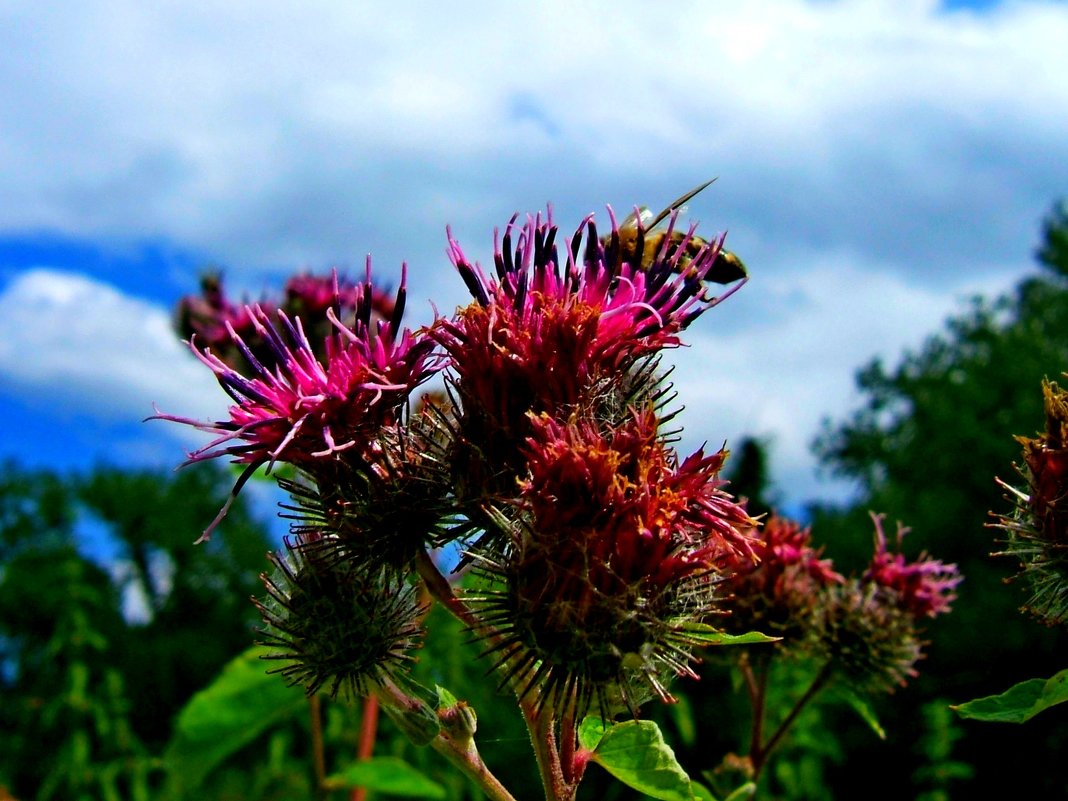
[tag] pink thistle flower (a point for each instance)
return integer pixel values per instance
(924, 588)
(211, 316)
(553, 335)
(622, 505)
(624, 311)
(614, 547)
(305, 411)
(1037, 529)
(783, 588)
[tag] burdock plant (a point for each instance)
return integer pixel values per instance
(1035, 534)
(597, 562)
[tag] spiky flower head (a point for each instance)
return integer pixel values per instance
(613, 548)
(383, 508)
(870, 629)
(923, 588)
(310, 412)
(783, 589)
(336, 623)
(870, 643)
(550, 333)
(1037, 529)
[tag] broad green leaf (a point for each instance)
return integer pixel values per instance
(1019, 703)
(388, 775)
(590, 732)
(709, 635)
(636, 754)
(242, 702)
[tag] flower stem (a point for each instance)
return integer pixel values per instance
(460, 750)
(318, 757)
(541, 723)
(759, 756)
(366, 745)
(756, 686)
(440, 589)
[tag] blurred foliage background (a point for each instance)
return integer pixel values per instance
(111, 619)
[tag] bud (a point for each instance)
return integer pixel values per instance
(382, 507)
(870, 641)
(869, 626)
(336, 623)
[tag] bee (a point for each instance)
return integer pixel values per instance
(642, 243)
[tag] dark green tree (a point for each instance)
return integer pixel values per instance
(748, 473)
(924, 447)
(97, 654)
(194, 598)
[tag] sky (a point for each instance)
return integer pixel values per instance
(877, 163)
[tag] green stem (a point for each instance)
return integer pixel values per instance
(470, 763)
(459, 749)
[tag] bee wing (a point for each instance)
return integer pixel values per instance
(726, 269)
(639, 215)
(678, 203)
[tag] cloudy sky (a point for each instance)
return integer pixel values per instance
(877, 163)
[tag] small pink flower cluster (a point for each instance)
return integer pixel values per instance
(923, 588)
(865, 628)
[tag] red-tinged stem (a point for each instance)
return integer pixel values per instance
(440, 589)
(756, 685)
(366, 745)
(541, 723)
(318, 753)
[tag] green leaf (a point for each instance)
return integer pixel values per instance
(590, 732)
(389, 775)
(747, 790)
(445, 699)
(242, 702)
(683, 717)
(701, 793)
(636, 754)
(1019, 703)
(867, 714)
(708, 635)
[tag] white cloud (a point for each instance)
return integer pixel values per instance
(876, 160)
(271, 136)
(86, 348)
(780, 376)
